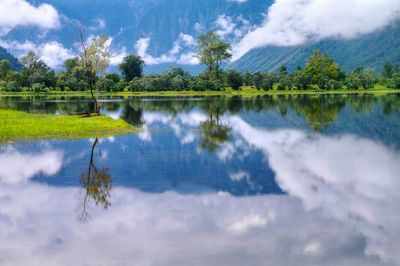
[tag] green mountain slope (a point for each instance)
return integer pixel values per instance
(16, 65)
(368, 51)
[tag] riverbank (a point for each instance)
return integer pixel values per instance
(245, 92)
(18, 125)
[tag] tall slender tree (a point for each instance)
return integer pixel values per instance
(95, 59)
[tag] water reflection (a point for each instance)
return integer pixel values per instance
(96, 184)
(319, 111)
(264, 189)
(214, 132)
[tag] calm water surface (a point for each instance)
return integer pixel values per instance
(294, 180)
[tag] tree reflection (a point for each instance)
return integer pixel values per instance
(319, 112)
(213, 132)
(96, 184)
(133, 114)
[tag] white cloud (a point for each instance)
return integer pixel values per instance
(181, 51)
(198, 27)
(336, 211)
(21, 13)
(53, 53)
(361, 192)
(247, 223)
(225, 24)
(19, 167)
(294, 22)
(169, 229)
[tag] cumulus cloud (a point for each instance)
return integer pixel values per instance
(181, 52)
(336, 211)
(183, 124)
(53, 53)
(225, 24)
(361, 192)
(19, 167)
(169, 229)
(294, 22)
(21, 13)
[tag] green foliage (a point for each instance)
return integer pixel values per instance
(213, 52)
(80, 74)
(361, 79)
(265, 81)
(36, 71)
(5, 68)
(95, 58)
(15, 64)
(132, 67)
(13, 86)
(234, 79)
(391, 76)
(321, 68)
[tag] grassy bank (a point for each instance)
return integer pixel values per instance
(17, 125)
(245, 91)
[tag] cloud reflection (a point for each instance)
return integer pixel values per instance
(353, 180)
(341, 208)
(170, 229)
(18, 167)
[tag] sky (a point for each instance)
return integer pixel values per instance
(285, 23)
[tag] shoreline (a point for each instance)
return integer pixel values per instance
(229, 92)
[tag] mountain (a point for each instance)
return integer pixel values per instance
(162, 23)
(16, 65)
(371, 50)
(126, 21)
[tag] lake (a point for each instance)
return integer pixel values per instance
(283, 180)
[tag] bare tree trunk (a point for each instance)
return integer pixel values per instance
(96, 103)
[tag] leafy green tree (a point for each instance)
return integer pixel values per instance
(234, 79)
(132, 67)
(213, 52)
(248, 79)
(5, 68)
(283, 71)
(387, 70)
(322, 68)
(300, 79)
(95, 59)
(34, 68)
(268, 81)
(258, 80)
(361, 78)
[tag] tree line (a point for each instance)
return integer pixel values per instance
(87, 72)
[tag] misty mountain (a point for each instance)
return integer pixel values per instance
(371, 50)
(163, 21)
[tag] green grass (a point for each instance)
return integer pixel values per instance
(17, 125)
(245, 91)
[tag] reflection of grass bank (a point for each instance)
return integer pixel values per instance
(17, 125)
(245, 91)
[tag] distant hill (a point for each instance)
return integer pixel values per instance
(368, 51)
(126, 21)
(16, 65)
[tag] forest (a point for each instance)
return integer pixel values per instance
(89, 72)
